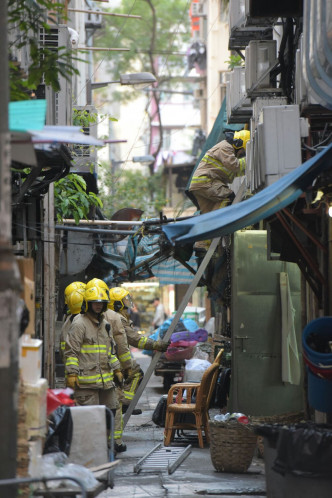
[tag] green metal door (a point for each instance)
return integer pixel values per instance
(256, 384)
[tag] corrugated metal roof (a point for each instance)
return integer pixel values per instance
(262, 205)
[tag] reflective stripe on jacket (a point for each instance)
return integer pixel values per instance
(90, 352)
(219, 163)
(120, 337)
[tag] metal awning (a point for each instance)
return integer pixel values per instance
(262, 205)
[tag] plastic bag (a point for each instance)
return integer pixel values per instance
(159, 414)
(197, 364)
(55, 465)
(60, 431)
(200, 355)
(82, 473)
(304, 449)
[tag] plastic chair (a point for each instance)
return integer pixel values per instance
(178, 404)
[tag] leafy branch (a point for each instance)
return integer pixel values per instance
(71, 199)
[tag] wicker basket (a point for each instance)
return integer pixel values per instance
(232, 446)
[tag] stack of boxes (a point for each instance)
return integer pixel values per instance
(33, 389)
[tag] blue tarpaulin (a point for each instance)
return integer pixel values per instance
(262, 205)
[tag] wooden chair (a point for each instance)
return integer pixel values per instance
(177, 405)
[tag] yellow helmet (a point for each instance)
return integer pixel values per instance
(72, 287)
(95, 295)
(240, 139)
(119, 299)
(97, 282)
(75, 301)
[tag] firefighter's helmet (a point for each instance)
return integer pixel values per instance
(75, 301)
(95, 295)
(119, 299)
(241, 138)
(72, 287)
(97, 282)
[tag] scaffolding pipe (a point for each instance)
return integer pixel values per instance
(95, 230)
(98, 12)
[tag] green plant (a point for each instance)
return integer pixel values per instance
(71, 199)
(46, 63)
(234, 61)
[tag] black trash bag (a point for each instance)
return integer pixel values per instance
(60, 431)
(159, 414)
(304, 450)
(221, 390)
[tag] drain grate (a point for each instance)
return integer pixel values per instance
(162, 458)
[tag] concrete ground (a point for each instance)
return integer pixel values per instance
(195, 476)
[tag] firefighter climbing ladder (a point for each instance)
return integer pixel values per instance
(178, 314)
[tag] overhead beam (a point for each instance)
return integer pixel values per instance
(104, 13)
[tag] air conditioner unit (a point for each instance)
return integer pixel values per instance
(280, 149)
(260, 56)
(237, 13)
(85, 156)
(260, 102)
(256, 163)
(243, 28)
(198, 8)
(238, 106)
(60, 104)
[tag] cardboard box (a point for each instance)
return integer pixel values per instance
(35, 405)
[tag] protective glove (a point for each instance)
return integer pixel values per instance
(72, 381)
(128, 373)
(118, 378)
(160, 346)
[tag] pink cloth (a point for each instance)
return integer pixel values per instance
(183, 344)
(178, 354)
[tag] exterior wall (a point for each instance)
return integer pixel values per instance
(217, 54)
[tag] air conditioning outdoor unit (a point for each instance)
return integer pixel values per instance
(60, 103)
(260, 102)
(238, 106)
(260, 58)
(280, 149)
(198, 8)
(244, 28)
(237, 13)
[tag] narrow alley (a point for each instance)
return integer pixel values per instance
(195, 476)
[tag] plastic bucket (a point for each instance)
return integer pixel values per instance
(322, 327)
(319, 392)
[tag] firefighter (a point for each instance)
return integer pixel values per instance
(120, 302)
(92, 367)
(74, 294)
(124, 356)
(218, 168)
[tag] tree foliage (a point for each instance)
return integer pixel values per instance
(162, 30)
(71, 200)
(133, 189)
(30, 16)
